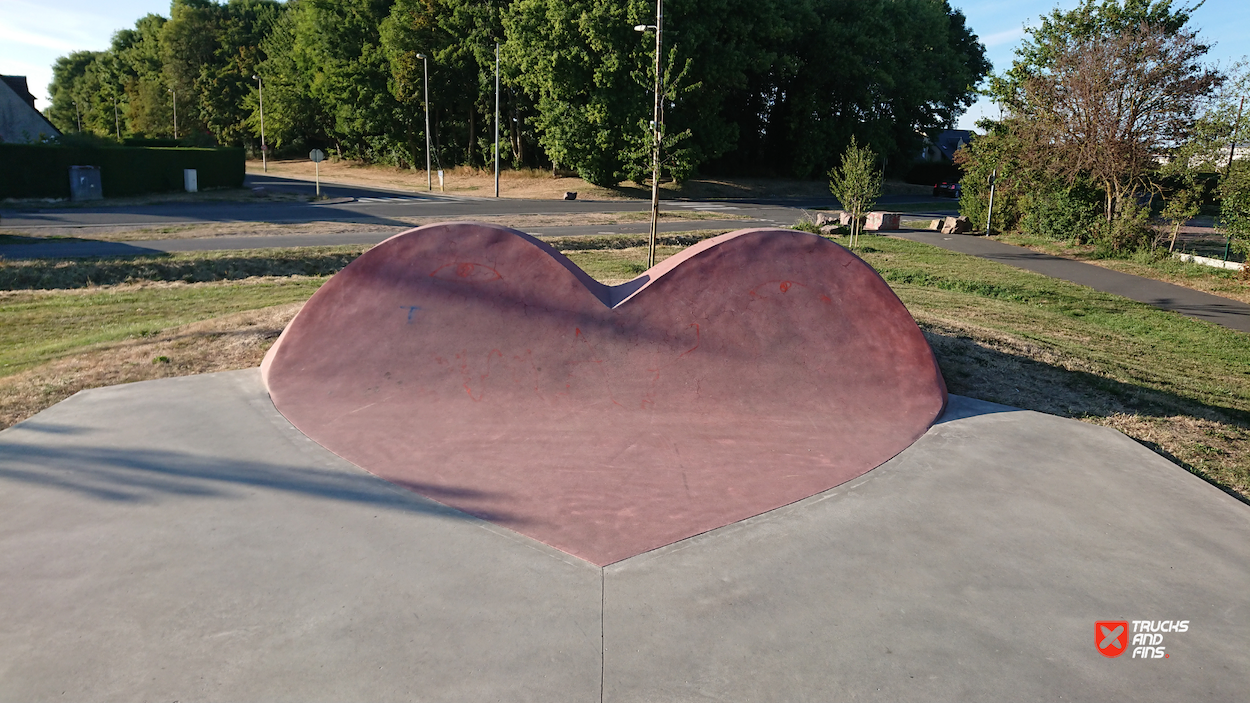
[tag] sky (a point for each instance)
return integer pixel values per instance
(33, 34)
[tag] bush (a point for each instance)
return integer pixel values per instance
(1062, 215)
(1129, 233)
(42, 170)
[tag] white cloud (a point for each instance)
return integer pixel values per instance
(1009, 36)
(58, 28)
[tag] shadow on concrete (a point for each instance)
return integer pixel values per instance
(139, 476)
(1002, 381)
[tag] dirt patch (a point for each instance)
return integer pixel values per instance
(543, 185)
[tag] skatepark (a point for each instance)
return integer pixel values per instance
(467, 471)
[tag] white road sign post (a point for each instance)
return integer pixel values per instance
(317, 157)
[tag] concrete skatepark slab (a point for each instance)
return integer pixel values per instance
(481, 368)
(179, 540)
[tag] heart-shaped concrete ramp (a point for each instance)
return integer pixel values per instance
(479, 367)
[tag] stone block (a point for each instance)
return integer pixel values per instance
(956, 225)
(882, 221)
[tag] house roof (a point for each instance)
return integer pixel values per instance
(18, 84)
(20, 122)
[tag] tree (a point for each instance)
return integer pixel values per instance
(1109, 108)
(856, 184)
(1234, 191)
(1097, 98)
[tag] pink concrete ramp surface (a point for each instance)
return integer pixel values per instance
(479, 367)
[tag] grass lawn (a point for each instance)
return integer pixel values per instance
(1179, 386)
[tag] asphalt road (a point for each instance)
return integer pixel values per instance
(370, 205)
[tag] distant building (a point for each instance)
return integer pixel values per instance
(941, 147)
(20, 122)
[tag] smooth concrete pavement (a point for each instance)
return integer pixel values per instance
(178, 540)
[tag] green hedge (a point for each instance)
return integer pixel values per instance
(42, 171)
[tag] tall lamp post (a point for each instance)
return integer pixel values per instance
(496, 119)
(264, 161)
(175, 93)
(429, 177)
(656, 131)
(79, 115)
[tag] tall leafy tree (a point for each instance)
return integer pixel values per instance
(1100, 96)
(459, 38)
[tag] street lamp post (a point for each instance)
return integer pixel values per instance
(175, 94)
(79, 115)
(496, 119)
(264, 161)
(429, 177)
(117, 122)
(656, 131)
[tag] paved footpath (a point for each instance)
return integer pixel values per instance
(180, 540)
(1229, 313)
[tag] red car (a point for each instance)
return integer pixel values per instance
(947, 190)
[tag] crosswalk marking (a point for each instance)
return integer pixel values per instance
(389, 200)
(707, 206)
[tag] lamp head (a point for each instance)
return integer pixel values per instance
(421, 56)
(641, 27)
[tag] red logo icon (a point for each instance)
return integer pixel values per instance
(1111, 636)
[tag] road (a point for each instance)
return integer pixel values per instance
(370, 205)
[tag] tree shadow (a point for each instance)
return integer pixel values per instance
(974, 369)
(144, 476)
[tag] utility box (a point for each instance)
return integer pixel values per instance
(190, 180)
(84, 183)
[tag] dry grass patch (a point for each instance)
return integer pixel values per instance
(543, 185)
(226, 343)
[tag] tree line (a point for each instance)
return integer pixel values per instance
(751, 87)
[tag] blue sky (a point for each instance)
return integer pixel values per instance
(33, 34)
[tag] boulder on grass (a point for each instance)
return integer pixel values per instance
(882, 221)
(957, 225)
(828, 218)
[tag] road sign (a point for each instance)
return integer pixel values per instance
(317, 157)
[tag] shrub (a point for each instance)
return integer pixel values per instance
(1068, 214)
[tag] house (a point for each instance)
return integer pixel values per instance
(20, 122)
(941, 147)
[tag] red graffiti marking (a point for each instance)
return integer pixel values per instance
(785, 286)
(466, 272)
(697, 340)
